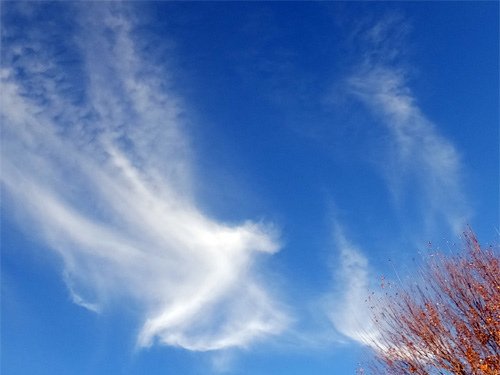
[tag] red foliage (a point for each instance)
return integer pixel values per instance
(449, 323)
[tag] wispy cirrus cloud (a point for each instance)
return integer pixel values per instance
(349, 310)
(422, 168)
(421, 161)
(98, 162)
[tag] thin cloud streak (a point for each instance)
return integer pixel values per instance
(418, 152)
(420, 161)
(422, 168)
(349, 310)
(106, 181)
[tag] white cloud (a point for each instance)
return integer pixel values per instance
(420, 160)
(350, 307)
(106, 181)
(418, 153)
(422, 167)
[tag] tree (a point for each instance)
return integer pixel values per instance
(449, 323)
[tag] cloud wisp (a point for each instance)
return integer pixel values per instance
(423, 168)
(98, 163)
(349, 309)
(419, 156)
(422, 165)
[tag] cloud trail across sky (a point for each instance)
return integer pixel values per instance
(104, 175)
(421, 163)
(349, 309)
(422, 166)
(418, 153)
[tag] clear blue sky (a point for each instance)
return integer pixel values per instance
(206, 188)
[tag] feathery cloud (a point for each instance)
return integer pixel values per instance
(98, 162)
(423, 167)
(418, 153)
(420, 160)
(350, 311)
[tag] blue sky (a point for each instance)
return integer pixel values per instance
(205, 188)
